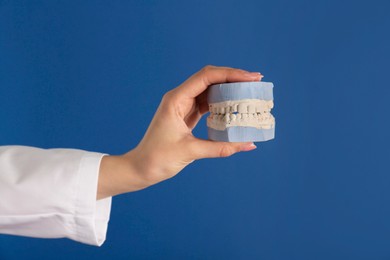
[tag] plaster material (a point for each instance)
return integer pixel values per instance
(241, 112)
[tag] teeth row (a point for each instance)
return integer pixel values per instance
(261, 121)
(243, 107)
(231, 117)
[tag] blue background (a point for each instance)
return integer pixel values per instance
(90, 74)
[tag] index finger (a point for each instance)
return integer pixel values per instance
(209, 75)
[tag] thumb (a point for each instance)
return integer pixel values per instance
(212, 149)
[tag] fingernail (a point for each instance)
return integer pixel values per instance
(252, 74)
(248, 147)
(259, 74)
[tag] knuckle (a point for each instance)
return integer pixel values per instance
(168, 95)
(171, 98)
(168, 101)
(205, 73)
(172, 102)
(226, 151)
(207, 68)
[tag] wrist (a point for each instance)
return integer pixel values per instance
(141, 168)
(119, 174)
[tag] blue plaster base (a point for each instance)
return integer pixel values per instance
(240, 90)
(241, 134)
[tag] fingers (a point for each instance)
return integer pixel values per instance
(211, 149)
(203, 105)
(209, 75)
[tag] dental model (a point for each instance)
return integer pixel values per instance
(240, 112)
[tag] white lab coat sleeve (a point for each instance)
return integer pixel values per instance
(51, 193)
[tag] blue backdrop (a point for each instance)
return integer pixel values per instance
(90, 74)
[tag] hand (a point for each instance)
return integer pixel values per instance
(168, 145)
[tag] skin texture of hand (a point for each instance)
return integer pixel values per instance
(168, 145)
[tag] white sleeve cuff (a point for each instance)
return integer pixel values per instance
(51, 193)
(91, 215)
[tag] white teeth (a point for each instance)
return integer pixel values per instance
(259, 108)
(247, 112)
(242, 108)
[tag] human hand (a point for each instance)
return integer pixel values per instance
(169, 145)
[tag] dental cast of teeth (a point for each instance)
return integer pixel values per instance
(244, 113)
(241, 112)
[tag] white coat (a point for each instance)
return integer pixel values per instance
(51, 193)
